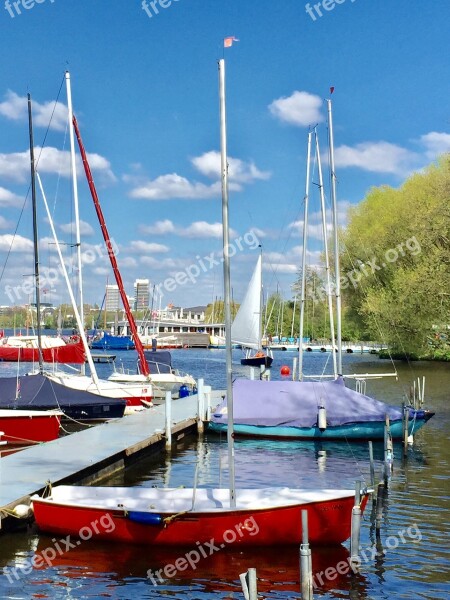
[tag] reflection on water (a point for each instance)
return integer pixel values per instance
(407, 558)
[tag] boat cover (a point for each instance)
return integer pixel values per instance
(159, 361)
(296, 403)
(40, 393)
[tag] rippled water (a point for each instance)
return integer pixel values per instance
(410, 559)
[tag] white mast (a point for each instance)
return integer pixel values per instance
(337, 273)
(327, 258)
(75, 199)
(226, 277)
(303, 284)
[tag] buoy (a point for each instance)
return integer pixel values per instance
(322, 418)
(184, 391)
(285, 370)
(22, 511)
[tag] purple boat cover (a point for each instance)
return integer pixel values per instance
(296, 403)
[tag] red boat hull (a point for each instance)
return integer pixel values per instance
(72, 353)
(329, 522)
(25, 429)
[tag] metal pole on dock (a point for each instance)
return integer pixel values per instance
(388, 451)
(356, 525)
(252, 373)
(372, 466)
(294, 369)
(168, 420)
(405, 422)
(305, 561)
(249, 585)
(201, 404)
(379, 507)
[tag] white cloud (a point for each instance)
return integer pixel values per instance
(435, 143)
(196, 230)
(9, 200)
(128, 262)
(16, 166)
(4, 224)
(202, 229)
(158, 228)
(377, 157)
(239, 171)
(301, 109)
(172, 185)
(152, 248)
(15, 243)
(85, 228)
(49, 114)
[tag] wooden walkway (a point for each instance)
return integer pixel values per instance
(88, 455)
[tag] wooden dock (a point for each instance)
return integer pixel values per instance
(90, 455)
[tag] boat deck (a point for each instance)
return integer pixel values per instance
(89, 455)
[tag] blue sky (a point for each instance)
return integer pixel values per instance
(145, 91)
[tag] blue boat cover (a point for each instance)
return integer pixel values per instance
(159, 361)
(37, 392)
(296, 403)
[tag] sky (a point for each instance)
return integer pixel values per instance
(144, 79)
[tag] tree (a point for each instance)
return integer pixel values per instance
(396, 260)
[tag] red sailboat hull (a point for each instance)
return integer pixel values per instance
(72, 353)
(329, 522)
(25, 427)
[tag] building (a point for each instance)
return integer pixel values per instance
(141, 294)
(112, 301)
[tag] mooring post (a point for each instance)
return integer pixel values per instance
(249, 585)
(168, 420)
(305, 561)
(379, 507)
(388, 450)
(201, 404)
(356, 525)
(405, 429)
(252, 373)
(372, 466)
(294, 369)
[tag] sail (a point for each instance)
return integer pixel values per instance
(246, 327)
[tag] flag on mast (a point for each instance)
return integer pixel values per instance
(228, 41)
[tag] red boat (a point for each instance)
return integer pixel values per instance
(29, 426)
(182, 516)
(71, 353)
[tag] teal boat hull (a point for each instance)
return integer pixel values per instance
(352, 431)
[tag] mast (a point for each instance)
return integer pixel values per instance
(226, 278)
(35, 236)
(337, 274)
(303, 284)
(261, 304)
(112, 257)
(75, 201)
(327, 258)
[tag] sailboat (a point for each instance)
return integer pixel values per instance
(180, 516)
(315, 409)
(36, 391)
(246, 327)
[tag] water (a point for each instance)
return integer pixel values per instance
(410, 560)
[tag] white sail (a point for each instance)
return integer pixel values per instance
(246, 327)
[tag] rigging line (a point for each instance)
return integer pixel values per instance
(15, 233)
(50, 122)
(28, 192)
